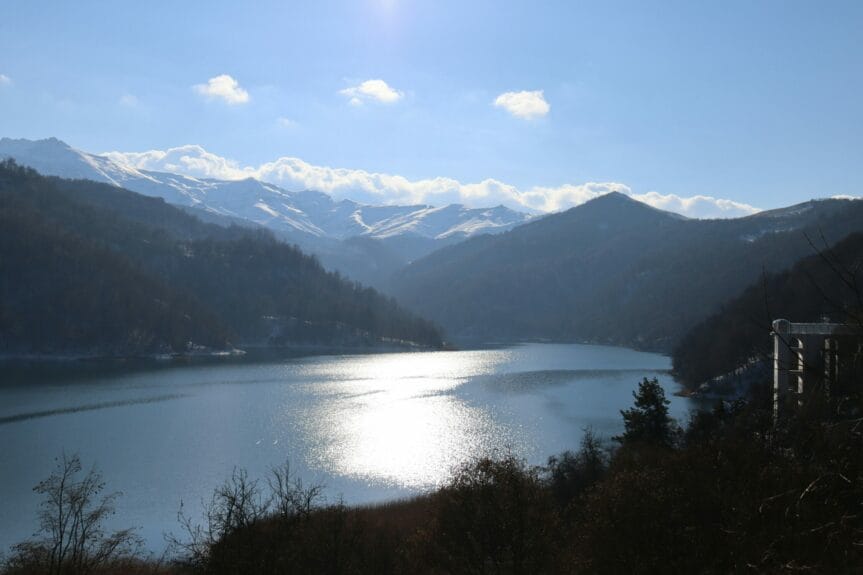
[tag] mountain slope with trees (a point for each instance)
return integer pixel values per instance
(61, 293)
(91, 268)
(822, 285)
(313, 220)
(612, 270)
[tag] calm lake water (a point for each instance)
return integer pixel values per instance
(369, 427)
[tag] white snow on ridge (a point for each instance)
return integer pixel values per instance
(357, 217)
(267, 209)
(475, 226)
(305, 213)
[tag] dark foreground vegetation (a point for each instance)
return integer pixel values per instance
(730, 493)
(92, 269)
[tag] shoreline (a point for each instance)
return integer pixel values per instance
(250, 351)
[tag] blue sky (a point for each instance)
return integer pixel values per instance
(755, 102)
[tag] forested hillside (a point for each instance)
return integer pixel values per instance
(90, 268)
(612, 270)
(826, 284)
(62, 293)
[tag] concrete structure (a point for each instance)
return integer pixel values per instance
(805, 358)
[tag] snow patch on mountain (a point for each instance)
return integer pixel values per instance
(295, 214)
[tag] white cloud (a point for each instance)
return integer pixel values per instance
(377, 188)
(525, 105)
(223, 87)
(696, 206)
(189, 160)
(376, 90)
(284, 122)
(5, 80)
(546, 199)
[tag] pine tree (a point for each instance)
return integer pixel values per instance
(648, 421)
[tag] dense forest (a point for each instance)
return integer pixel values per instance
(87, 268)
(61, 293)
(732, 492)
(827, 284)
(612, 270)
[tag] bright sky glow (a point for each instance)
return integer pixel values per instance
(747, 103)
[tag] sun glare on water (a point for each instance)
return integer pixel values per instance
(396, 419)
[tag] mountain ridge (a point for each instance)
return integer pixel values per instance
(305, 212)
(312, 220)
(610, 271)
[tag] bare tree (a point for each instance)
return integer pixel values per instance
(289, 498)
(238, 505)
(72, 538)
(235, 505)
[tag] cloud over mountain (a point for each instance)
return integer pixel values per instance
(378, 188)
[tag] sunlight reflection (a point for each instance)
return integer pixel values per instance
(393, 418)
(401, 366)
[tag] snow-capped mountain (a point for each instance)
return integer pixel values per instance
(304, 217)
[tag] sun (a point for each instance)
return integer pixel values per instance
(386, 7)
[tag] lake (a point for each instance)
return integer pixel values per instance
(369, 427)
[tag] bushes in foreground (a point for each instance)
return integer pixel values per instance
(730, 493)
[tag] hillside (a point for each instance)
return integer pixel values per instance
(817, 286)
(92, 268)
(63, 294)
(612, 270)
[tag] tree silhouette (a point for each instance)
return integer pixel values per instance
(648, 421)
(72, 538)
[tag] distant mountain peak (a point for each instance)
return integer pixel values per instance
(618, 202)
(54, 142)
(616, 198)
(616, 195)
(43, 144)
(611, 200)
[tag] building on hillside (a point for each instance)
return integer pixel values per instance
(810, 358)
